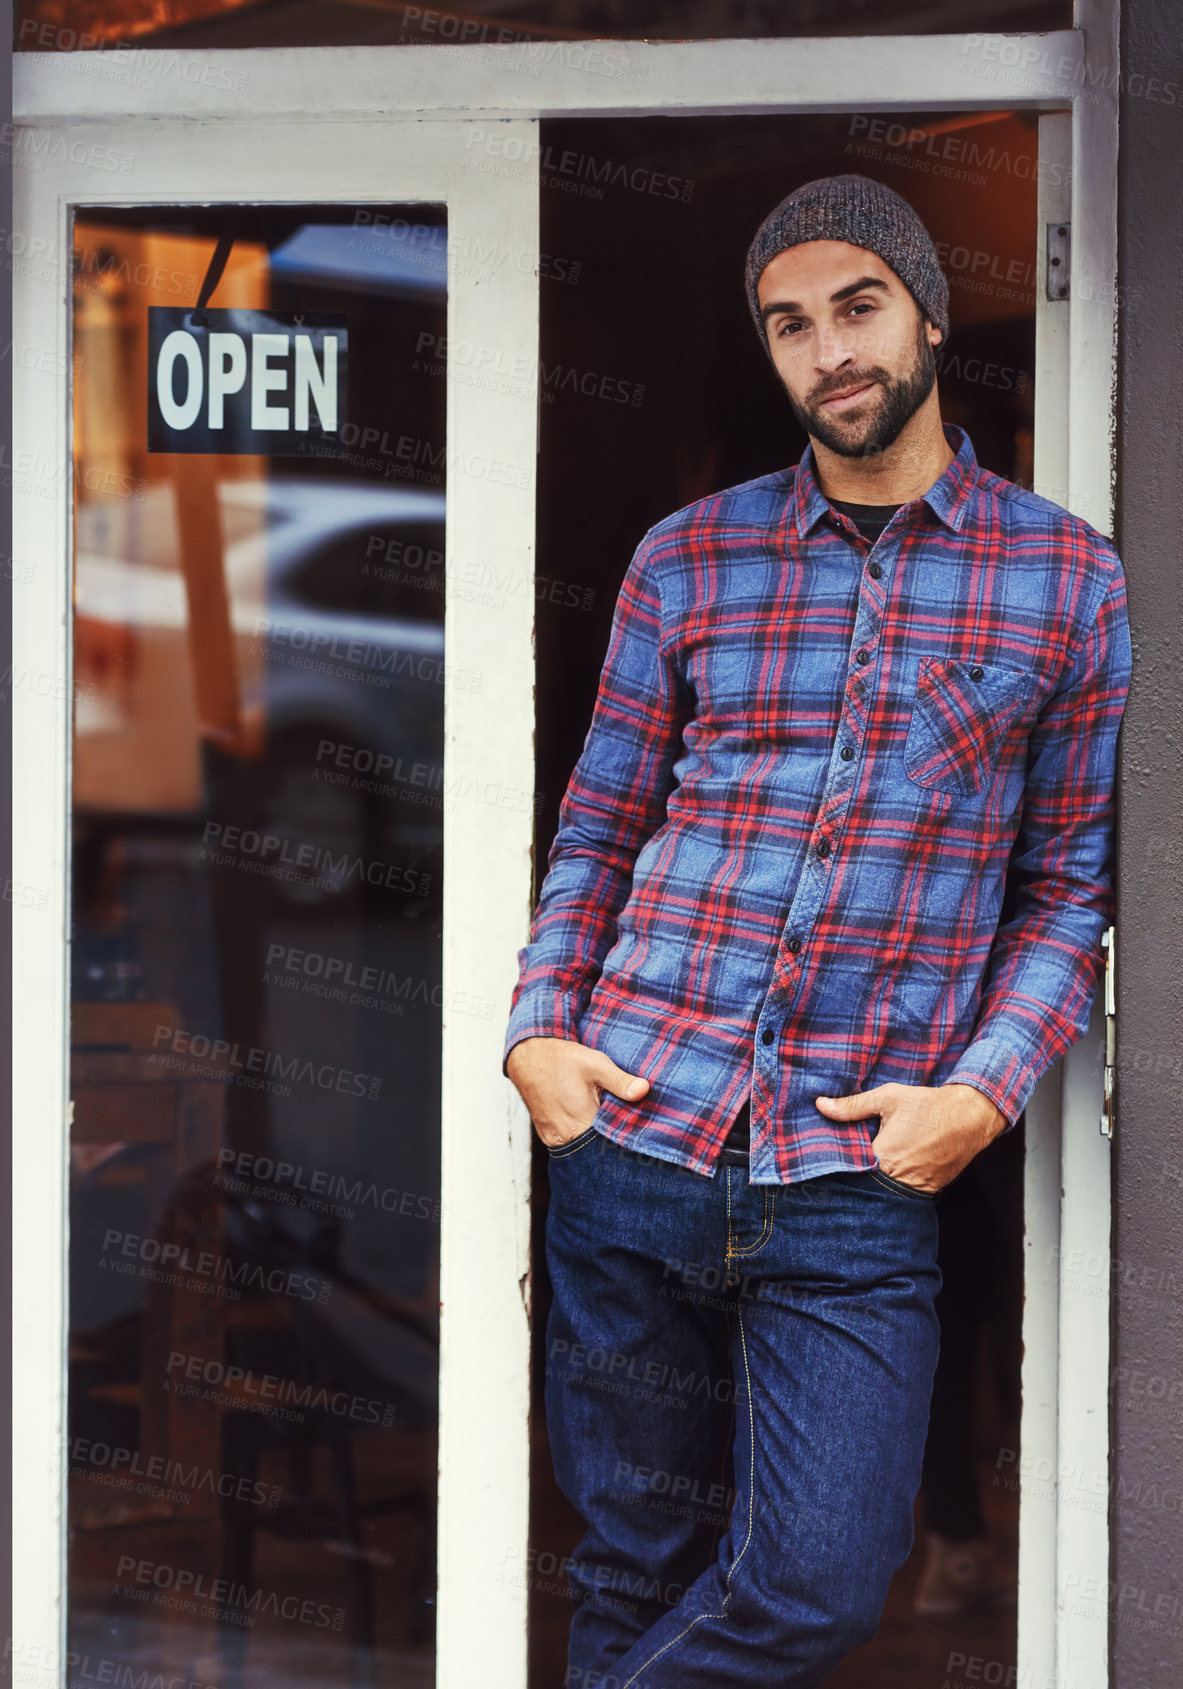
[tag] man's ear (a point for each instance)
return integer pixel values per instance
(935, 335)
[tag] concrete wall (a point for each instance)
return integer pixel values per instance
(1147, 1352)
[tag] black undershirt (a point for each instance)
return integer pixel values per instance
(870, 520)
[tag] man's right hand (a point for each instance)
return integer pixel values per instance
(560, 1081)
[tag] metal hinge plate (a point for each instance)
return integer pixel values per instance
(1059, 260)
(1109, 946)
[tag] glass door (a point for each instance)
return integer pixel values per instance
(295, 820)
(256, 940)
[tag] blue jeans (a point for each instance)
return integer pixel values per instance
(737, 1390)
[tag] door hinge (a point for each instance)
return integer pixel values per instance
(1108, 945)
(1059, 260)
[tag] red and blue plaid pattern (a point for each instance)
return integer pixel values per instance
(843, 815)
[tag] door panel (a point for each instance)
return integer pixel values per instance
(276, 801)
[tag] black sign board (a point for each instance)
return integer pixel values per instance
(246, 381)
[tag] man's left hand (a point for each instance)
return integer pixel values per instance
(927, 1133)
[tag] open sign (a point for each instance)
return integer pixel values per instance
(246, 381)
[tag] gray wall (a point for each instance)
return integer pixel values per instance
(1146, 1595)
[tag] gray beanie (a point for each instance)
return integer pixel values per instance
(864, 213)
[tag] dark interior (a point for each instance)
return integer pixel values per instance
(655, 391)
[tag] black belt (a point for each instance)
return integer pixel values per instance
(737, 1144)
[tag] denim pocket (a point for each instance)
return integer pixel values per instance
(883, 1178)
(570, 1145)
(960, 717)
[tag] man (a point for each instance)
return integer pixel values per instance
(824, 902)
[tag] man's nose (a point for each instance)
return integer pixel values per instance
(834, 349)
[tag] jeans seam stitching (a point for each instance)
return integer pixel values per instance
(564, 1150)
(747, 1371)
(765, 1234)
(682, 1634)
(890, 1184)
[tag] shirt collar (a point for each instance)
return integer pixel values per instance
(947, 498)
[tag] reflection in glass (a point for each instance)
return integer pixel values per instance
(256, 963)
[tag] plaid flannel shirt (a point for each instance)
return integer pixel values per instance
(843, 815)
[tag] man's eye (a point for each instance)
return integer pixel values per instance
(863, 305)
(788, 327)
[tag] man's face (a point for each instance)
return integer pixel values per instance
(849, 342)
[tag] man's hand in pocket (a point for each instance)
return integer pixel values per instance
(927, 1133)
(560, 1081)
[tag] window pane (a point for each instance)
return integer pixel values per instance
(256, 945)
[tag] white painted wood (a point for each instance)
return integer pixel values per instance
(488, 778)
(1039, 1516)
(488, 848)
(1084, 1614)
(543, 79)
(41, 783)
(1082, 1552)
(1052, 317)
(1063, 1615)
(1037, 1465)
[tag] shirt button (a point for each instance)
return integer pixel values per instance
(767, 1035)
(822, 847)
(846, 752)
(863, 656)
(976, 672)
(793, 944)
(874, 571)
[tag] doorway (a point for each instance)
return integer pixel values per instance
(654, 392)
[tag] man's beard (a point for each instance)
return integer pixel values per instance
(902, 397)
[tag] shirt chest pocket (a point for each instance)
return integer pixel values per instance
(960, 717)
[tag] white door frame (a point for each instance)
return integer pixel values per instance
(187, 121)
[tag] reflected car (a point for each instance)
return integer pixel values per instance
(336, 596)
